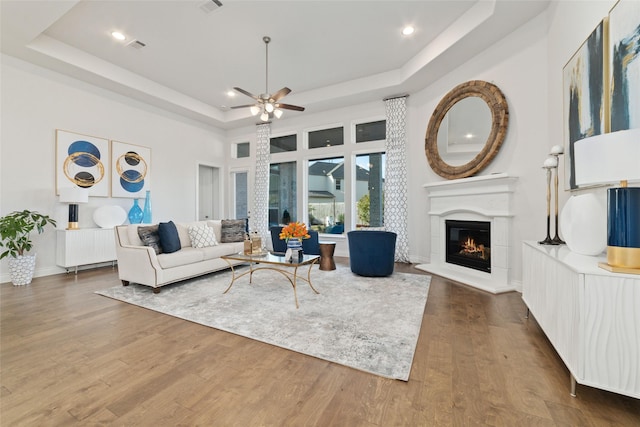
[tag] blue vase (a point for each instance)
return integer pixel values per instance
(294, 243)
(135, 213)
(146, 212)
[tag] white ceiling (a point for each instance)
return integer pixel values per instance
(330, 53)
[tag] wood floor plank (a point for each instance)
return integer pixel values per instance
(71, 357)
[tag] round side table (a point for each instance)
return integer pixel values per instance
(326, 255)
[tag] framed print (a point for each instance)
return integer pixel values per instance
(83, 161)
(130, 170)
(584, 96)
(624, 65)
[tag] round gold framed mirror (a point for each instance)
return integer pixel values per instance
(466, 129)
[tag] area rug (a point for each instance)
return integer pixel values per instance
(370, 324)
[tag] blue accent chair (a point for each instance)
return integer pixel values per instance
(372, 253)
(310, 246)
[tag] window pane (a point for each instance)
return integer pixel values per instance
(284, 143)
(241, 195)
(282, 193)
(372, 131)
(242, 150)
(326, 195)
(326, 137)
(370, 190)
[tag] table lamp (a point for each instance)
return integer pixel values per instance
(73, 196)
(615, 158)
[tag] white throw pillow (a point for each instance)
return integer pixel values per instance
(202, 236)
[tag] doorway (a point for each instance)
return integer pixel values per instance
(208, 203)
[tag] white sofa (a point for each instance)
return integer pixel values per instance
(138, 263)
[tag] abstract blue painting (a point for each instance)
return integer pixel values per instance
(130, 171)
(584, 96)
(624, 65)
(83, 161)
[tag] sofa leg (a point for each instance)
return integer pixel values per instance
(156, 290)
(125, 283)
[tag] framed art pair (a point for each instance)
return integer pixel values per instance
(601, 81)
(106, 168)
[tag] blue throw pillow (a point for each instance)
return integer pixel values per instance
(169, 239)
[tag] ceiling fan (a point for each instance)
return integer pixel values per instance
(267, 105)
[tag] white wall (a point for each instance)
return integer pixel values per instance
(36, 102)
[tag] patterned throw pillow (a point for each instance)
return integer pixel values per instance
(202, 236)
(150, 237)
(233, 230)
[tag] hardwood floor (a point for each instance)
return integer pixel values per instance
(71, 357)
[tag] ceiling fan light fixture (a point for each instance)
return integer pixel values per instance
(254, 110)
(264, 116)
(278, 113)
(269, 107)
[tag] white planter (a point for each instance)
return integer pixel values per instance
(21, 269)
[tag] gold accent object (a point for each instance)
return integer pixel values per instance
(623, 258)
(73, 226)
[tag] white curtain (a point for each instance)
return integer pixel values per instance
(395, 193)
(260, 216)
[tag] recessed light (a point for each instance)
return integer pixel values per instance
(118, 35)
(408, 30)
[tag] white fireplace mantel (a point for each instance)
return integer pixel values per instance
(481, 198)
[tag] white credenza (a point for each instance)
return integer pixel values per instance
(590, 315)
(85, 246)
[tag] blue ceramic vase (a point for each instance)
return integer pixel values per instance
(135, 213)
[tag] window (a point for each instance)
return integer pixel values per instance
(241, 205)
(338, 184)
(282, 193)
(369, 197)
(372, 131)
(326, 137)
(283, 144)
(325, 198)
(242, 150)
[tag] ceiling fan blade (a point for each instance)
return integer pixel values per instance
(280, 94)
(242, 106)
(244, 92)
(289, 107)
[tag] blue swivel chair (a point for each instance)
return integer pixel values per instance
(372, 253)
(310, 246)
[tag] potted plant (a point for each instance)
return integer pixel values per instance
(14, 236)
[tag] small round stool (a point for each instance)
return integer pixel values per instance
(326, 255)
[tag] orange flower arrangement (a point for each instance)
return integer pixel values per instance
(294, 229)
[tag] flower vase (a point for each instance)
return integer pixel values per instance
(146, 212)
(294, 249)
(135, 213)
(294, 243)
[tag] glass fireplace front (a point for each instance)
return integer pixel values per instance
(469, 244)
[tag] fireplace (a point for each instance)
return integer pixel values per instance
(468, 244)
(486, 198)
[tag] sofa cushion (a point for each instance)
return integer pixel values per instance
(149, 236)
(217, 228)
(132, 234)
(214, 252)
(202, 236)
(169, 239)
(182, 257)
(233, 230)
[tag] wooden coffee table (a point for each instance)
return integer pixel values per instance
(273, 261)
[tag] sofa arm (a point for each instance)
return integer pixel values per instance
(138, 264)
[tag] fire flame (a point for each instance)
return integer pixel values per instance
(469, 246)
